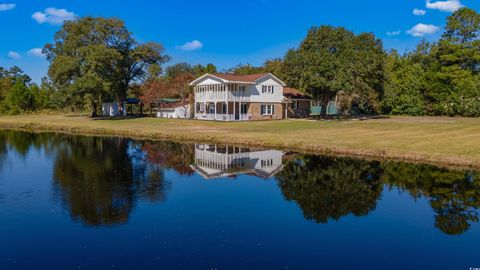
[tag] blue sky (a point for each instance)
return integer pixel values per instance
(221, 32)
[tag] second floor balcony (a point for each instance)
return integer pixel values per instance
(221, 92)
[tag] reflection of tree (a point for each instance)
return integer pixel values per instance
(172, 155)
(329, 188)
(99, 182)
(454, 195)
(95, 176)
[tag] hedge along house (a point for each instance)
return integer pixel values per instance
(227, 97)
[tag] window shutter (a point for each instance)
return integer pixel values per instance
(262, 109)
(273, 109)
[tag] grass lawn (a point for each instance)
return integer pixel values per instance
(439, 140)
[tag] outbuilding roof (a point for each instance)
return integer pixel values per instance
(293, 93)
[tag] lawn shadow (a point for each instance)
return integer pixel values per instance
(114, 118)
(360, 117)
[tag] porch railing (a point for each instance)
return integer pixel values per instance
(211, 96)
(223, 117)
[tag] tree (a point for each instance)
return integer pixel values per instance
(97, 59)
(245, 69)
(274, 66)
(180, 84)
(454, 195)
(458, 57)
(200, 70)
(329, 188)
(177, 69)
(405, 86)
(21, 97)
(330, 60)
(155, 90)
(99, 182)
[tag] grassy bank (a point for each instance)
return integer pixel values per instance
(441, 141)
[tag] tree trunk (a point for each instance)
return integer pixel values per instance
(325, 101)
(93, 108)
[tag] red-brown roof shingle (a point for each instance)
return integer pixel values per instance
(294, 93)
(240, 78)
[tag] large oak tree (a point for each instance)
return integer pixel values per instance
(97, 59)
(330, 60)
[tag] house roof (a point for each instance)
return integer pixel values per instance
(232, 78)
(240, 78)
(174, 105)
(293, 93)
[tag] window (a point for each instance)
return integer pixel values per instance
(267, 109)
(201, 107)
(268, 89)
(266, 163)
(243, 108)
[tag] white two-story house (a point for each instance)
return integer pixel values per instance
(228, 97)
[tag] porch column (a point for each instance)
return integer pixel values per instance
(215, 112)
(234, 115)
(195, 110)
(239, 110)
(227, 110)
(286, 110)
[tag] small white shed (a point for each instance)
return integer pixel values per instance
(112, 109)
(174, 110)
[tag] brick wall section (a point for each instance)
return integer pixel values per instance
(303, 109)
(255, 111)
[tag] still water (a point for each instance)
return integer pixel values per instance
(72, 202)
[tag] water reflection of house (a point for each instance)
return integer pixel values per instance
(212, 161)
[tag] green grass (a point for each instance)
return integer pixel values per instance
(439, 140)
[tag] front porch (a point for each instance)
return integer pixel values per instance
(222, 111)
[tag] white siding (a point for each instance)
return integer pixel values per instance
(256, 94)
(210, 80)
(179, 112)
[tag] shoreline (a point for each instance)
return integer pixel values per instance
(284, 144)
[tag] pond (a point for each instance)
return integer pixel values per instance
(74, 202)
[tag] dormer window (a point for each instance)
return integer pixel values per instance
(268, 89)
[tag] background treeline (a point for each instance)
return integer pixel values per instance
(95, 60)
(438, 78)
(18, 94)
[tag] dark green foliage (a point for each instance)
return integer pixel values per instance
(328, 188)
(439, 78)
(331, 60)
(96, 59)
(245, 69)
(19, 95)
(453, 195)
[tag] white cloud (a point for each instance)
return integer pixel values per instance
(53, 16)
(394, 33)
(449, 5)
(191, 46)
(5, 7)
(14, 55)
(419, 12)
(420, 30)
(37, 52)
